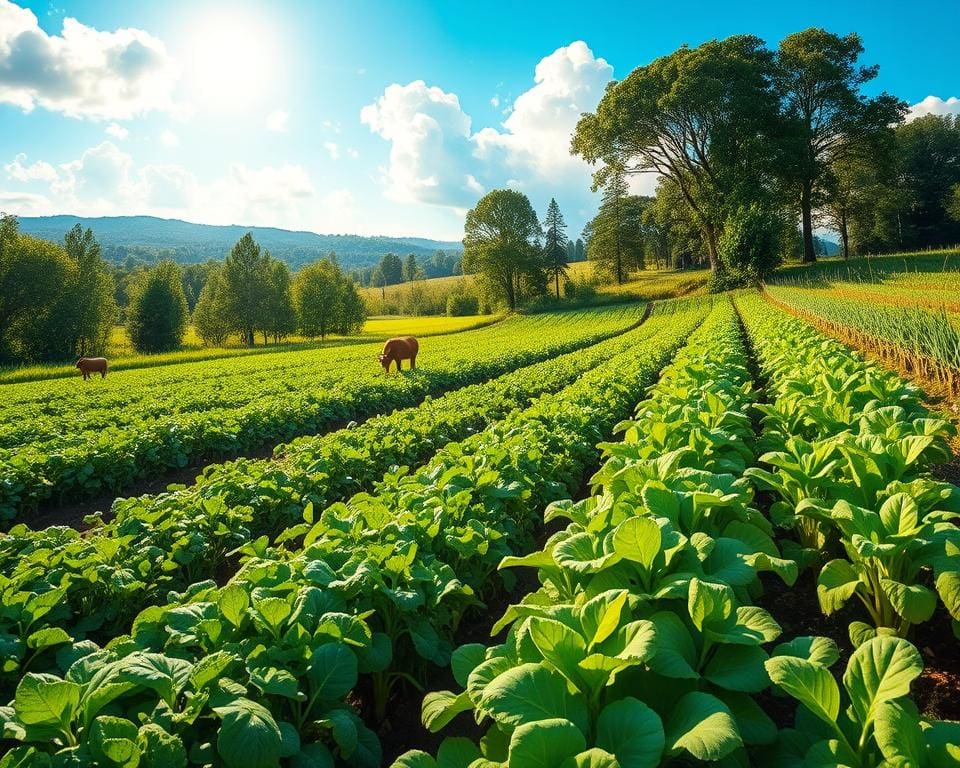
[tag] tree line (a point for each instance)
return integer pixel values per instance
(766, 145)
(62, 301)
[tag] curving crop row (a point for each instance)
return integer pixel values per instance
(103, 577)
(108, 434)
(641, 648)
(260, 670)
(849, 449)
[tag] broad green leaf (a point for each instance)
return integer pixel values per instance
(676, 654)
(465, 659)
(582, 553)
(632, 731)
(164, 674)
(913, 602)
(273, 610)
(943, 744)
(738, 668)
(702, 725)
(332, 671)
(531, 692)
(821, 650)
(249, 737)
(897, 731)
(343, 725)
(113, 740)
(43, 699)
(440, 707)
(754, 724)
(415, 758)
(600, 616)
(289, 739)
(210, 668)
(544, 744)
(948, 587)
(591, 758)
(880, 670)
(709, 603)
(809, 683)
(559, 644)
(47, 637)
(457, 752)
(161, 749)
(835, 585)
(233, 603)
(376, 656)
(313, 756)
(638, 539)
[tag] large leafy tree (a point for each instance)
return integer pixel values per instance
(157, 314)
(211, 315)
(327, 301)
(32, 273)
(928, 168)
(245, 277)
(91, 296)
(701, 117)
(279, 317)
(501, 243)
(555, 250)
(827, 115)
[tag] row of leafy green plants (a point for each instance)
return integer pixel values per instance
(60, 585)
(278, 664)
(103, 438)
(848, 448)
(643, 645)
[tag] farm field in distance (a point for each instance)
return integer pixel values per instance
(444, 385)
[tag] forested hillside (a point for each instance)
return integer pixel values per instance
(147, 238)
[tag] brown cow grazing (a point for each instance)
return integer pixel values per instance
(404, 348)
(88, 365)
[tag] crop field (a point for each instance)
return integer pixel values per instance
(68, 438)
(122, 356)
(713, 537)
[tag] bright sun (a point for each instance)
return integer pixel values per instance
(232, 60)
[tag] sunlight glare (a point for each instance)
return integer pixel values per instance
(233, 58)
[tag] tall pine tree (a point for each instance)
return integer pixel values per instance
(555, 244)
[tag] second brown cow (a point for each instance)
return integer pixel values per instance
(90, 365)
(401, 348)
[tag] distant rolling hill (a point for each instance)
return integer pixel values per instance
(148, 238)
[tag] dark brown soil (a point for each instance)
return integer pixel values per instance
(936, 692)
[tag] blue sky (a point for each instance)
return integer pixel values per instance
(367, 117)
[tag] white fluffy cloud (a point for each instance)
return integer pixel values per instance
(118, 131)
(431, 152)
(106, 181)
(332, 149)
(436, 158)
(569, 82)
(934, 105)
(82, 72)
(277, 121)
(39, 171)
